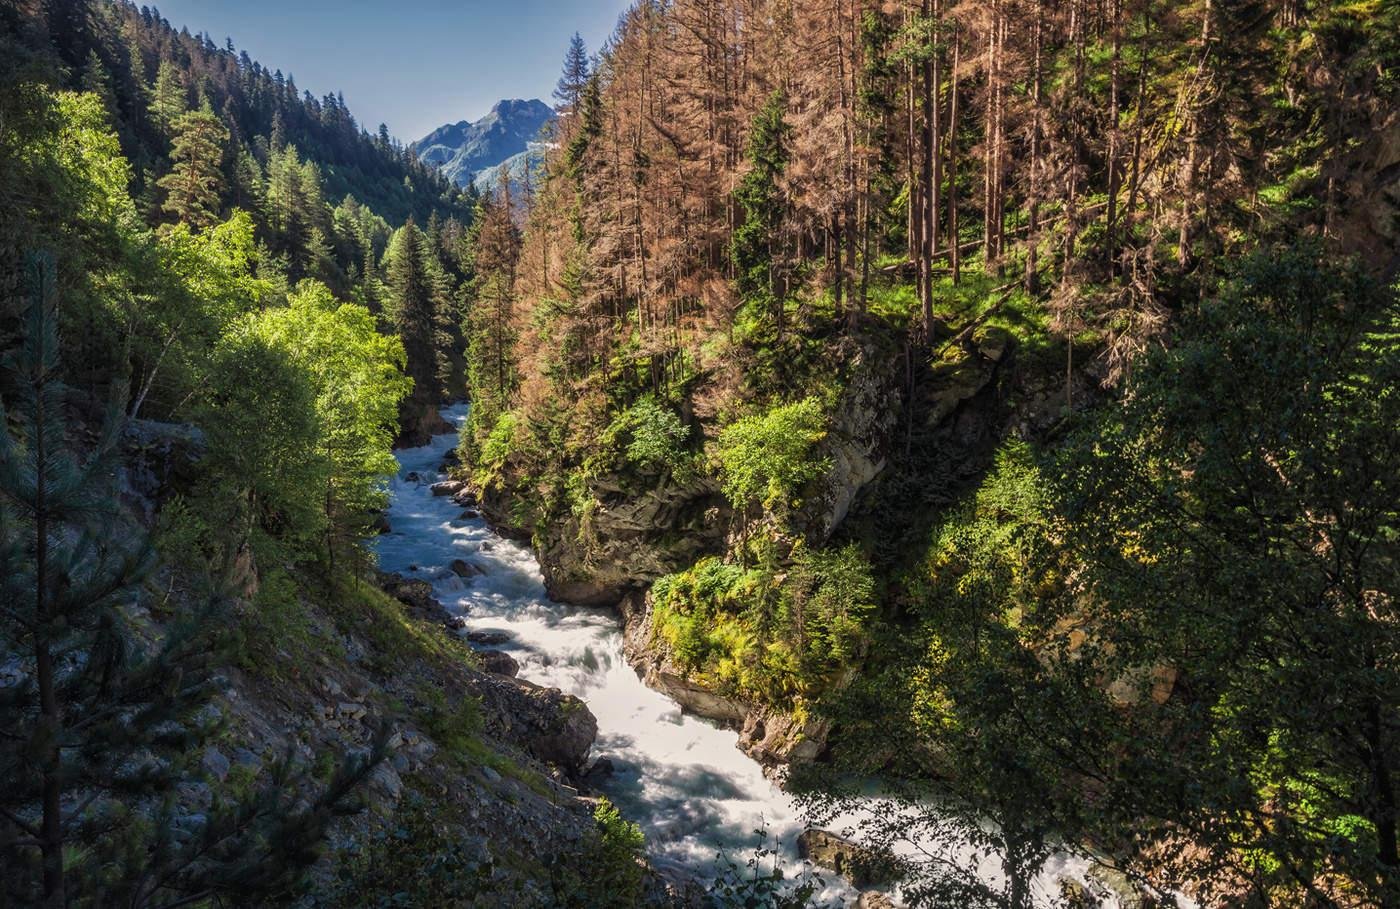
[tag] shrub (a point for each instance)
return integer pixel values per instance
(656, 437)
(768, 457)
(496, 449)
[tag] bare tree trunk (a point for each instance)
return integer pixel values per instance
(954, 243)
(1193, 149)
(1033, 206)
(926, 209)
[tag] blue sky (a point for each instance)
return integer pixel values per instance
(413, 64)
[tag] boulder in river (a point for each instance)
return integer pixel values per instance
(552, 726)
(861, 866)
(416, 595)
(489, 637)
(447, 488)
(498, 662)
(464, 569)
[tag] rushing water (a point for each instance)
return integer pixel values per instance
(682, 778)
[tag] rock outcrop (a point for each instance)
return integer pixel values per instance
(554, 727)
(766, 734)
(861, 866)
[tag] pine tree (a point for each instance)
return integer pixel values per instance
(576, 74)
(97, 81)
(753, 246)
(169, 101)
(196, 184)
(413, 307)
(490, 329)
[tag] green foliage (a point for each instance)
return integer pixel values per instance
(760, 881)
(266, 472)
(1239, 522)
(753, 245)
(615, 874)
(655, 438)
(768, 458)
(195, 184)
(417, 307)
(764, 635)
(453, 725)
(356, 375)
(109, 717)
(496, 449)
(419, 860)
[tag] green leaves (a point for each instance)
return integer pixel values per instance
(768, 457)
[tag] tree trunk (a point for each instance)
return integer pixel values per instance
(954, 243)
(1033, 204)
(51, 827)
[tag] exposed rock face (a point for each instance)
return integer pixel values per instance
(862, 867)
(159, 459)
(419, 421)
(856, 443)
(466, 151)
(636, 534)
(552, 726)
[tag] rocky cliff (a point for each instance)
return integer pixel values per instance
(467, 150)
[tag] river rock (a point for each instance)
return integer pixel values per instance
(419, 421)
(490, 637)
(874, 899)
(464, 569)
(772, 737)
(447, 488)
(602, 769)
(765, 734)
(498, 662)
(552, 726)
(414, 594)
(861, 866)
(1121, 887)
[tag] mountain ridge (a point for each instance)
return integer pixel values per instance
(465, 150)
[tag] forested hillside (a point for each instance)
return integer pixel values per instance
(996, 394)
(206, 132)
(221, 302)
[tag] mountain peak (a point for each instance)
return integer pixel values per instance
(464, 150)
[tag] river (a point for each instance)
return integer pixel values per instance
(682, 778)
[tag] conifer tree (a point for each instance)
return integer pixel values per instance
(575, 76)
(753, 246)
(413, 307)
(97, 81)
(168, 102)
(196, 183)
